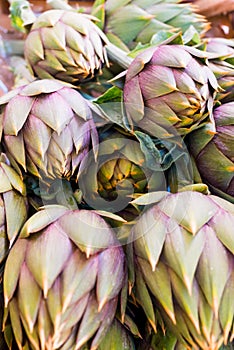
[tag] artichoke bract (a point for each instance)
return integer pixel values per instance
(214, 153)
(117, 338)
(169, 90)
(13, 205)
(47, 128)
(222, 65)
(184, 255)
(65, 45)
(130, 22)
(62, 279)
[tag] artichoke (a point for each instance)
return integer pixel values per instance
(47, 128)
(121, 172)
(65, 45)
(12, 200)
(169, 90)
(184, 254)
(130, 22)
(61, 284)
(214, 153)
(222, 65)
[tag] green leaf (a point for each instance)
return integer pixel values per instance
(114, 94)
(163, 37)
(98, 10)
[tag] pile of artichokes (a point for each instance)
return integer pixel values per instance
(116, 179)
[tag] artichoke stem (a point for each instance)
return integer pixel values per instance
(118, 56)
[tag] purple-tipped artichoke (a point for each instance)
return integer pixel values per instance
(47, 128)
(65, 45)
(184, 258)
(214, 153)
(62, 280)
(223, 66)
(13, 205)
(169, 90)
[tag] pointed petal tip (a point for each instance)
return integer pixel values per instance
(6, 302)
(45, 289)
(188, 284)
(101, 304)
(153, 265)
(153, 326)
(88, 252)
(31, 326)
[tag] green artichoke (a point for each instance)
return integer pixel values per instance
(222, 65)
(129, 22)
(184, 255)
(12, 200)
(47, 128)
(61, 284)
(214, 153)
(121, 172)
(169, 91)
(65, 45)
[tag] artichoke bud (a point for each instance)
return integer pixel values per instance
(191, 295)
(69, 46)
(63, 289)
(160, 99)
(52, 132)
(133, 177)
